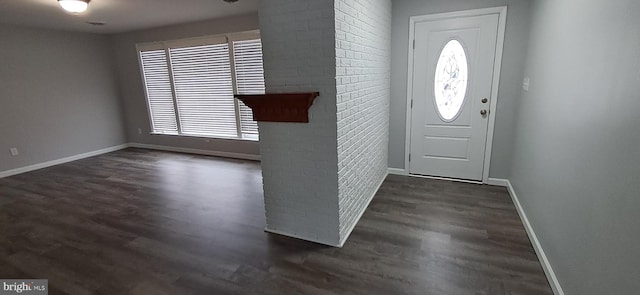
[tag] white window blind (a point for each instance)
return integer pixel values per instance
(158, 88)
(190, 84)
(249, 77)
(204, 90)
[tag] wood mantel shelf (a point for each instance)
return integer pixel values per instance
(280, 107)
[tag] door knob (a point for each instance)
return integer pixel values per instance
(483, 112)
(484, 100)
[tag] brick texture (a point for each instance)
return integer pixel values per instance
(299, 161)
(319, 177)
(363, 65)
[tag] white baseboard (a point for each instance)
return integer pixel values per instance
(38, 166)
(398, 171)
(29, 168)
(352, 226)
(498, 182)
(546, 266)
(196, 151)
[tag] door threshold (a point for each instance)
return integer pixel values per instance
(446, 178)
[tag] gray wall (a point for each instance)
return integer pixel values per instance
(510, 80)
(58, 95)
(576, 162)
(132, 90)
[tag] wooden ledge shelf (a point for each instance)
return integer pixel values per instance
(280, 107)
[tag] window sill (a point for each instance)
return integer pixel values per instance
(252, 139)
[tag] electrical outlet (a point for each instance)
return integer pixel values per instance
(525, 83)
(14, 151)
(139, 130)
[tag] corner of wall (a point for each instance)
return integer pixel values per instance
(363, 49)
(299, 161)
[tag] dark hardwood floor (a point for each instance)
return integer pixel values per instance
(147, 222)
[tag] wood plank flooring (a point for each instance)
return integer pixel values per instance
(147, 222)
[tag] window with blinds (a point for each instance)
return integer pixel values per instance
(159, 93)
(190, 85)
(249, 77)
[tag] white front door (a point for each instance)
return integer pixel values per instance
(453, 68)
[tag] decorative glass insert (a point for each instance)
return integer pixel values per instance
(451, 80)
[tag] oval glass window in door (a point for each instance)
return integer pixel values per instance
(451, 78)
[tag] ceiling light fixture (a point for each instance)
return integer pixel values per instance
(74, 6)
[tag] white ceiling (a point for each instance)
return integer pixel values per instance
(119, 15)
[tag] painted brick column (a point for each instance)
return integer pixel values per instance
(319, 177)
(363, 66)
(300, 161)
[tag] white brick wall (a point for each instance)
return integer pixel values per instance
(319, 177)
(299, 161)
(363, 65)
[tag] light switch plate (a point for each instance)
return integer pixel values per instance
(14, 151)
(525, 83)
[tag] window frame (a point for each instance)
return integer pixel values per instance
(189, 42)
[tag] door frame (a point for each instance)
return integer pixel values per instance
(502, 22)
